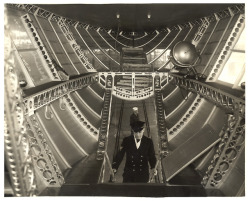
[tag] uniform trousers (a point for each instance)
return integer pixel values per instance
(136, 177)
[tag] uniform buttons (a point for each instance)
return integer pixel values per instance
(140, 165)
(132, 161)
(142, 156)
(133, 165)
(140, 169)
(133, 169)
(141, 160)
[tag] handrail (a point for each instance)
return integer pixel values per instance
(117, 143)
(154, 172)
(161, 124)
(110, 167)
(45, 97)
(227, 101)
(146, 118)
(104, 129)
(129, 95)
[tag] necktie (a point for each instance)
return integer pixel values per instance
(137, 140)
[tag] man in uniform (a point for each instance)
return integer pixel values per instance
(140, 154)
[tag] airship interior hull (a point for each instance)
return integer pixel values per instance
(70, 85)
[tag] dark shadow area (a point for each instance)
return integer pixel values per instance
(132, 190)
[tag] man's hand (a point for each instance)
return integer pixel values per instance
(153, 173)
(114, 171)
(113, 179)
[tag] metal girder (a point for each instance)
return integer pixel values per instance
(220, 98)
(42, 98)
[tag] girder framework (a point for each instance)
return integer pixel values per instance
(43, 98)
(231, 146)
(18, 143)
(228, 102)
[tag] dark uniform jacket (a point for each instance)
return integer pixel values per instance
(137, 160)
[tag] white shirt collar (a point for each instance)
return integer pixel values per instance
(137, 143)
